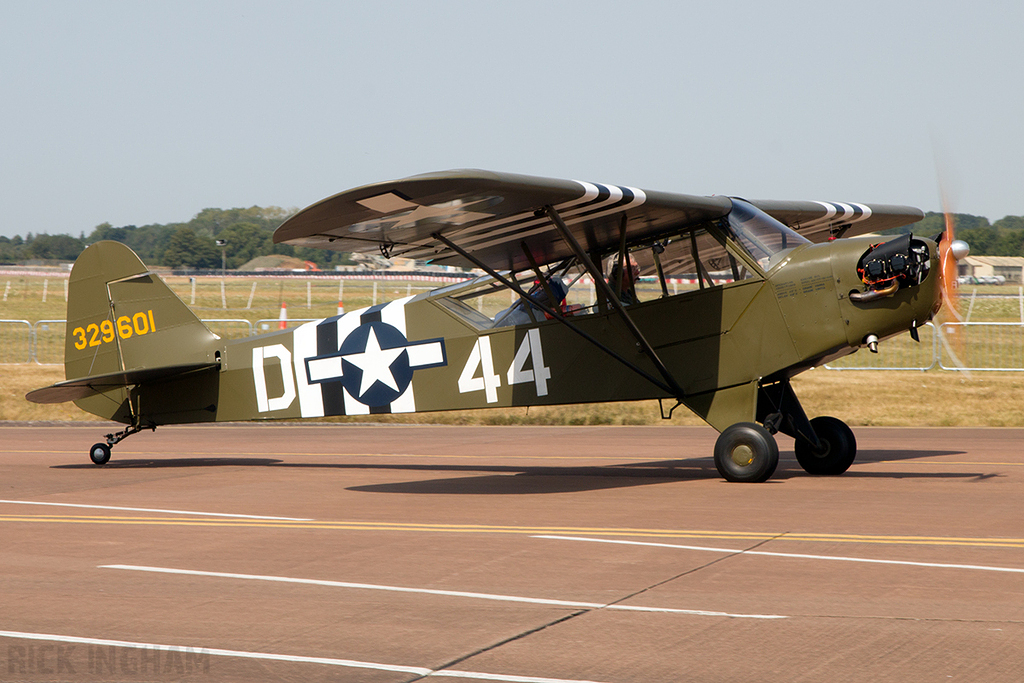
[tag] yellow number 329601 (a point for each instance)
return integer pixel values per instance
(104, 332)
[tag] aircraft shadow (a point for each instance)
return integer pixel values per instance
(571, 480)
(519, 480)
(506, 480)
(115, 464)
(889, 455)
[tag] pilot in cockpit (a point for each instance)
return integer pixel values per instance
(626, 283)
(523, 313)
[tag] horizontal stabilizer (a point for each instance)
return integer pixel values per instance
(74, 389)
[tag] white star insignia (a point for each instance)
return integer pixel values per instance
(456, 212)
(375, 363)
(453, 213)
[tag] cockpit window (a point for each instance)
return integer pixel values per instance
(764, 238)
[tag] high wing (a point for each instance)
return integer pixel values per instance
(818, 221)
(501, 219)
(491, 215)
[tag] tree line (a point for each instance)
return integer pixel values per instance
(1005, 237)
(247, 234)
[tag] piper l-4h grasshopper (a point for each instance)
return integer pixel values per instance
(775, 292)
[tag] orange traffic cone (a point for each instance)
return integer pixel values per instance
(341, 308)
(283, 320)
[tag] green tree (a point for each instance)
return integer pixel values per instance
(186, 249)
(983, 240)
(1011, 243)
(55, 247)
(148, 241)
(10, 252)
(106, 231)
(244, 242)
(1010, 223)
(213, 221)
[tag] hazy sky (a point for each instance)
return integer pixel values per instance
(147, 112)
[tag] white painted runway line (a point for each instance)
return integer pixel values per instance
(197, 654)
(432, 591)
(169, 512)
(766, 553)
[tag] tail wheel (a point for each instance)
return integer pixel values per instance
(99, 453)
(746, 452)
(838, 452)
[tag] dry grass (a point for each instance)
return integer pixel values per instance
(891, 398)
(18, 380)
(902, 398)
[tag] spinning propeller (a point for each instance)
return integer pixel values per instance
(951, 252)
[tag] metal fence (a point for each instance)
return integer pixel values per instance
(982, 346)
(48, 342)
(950, 346)
(265, 325)
(16, 341)
(899, 353)
(229, 328)
(978, 346)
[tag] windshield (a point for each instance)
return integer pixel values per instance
(765, 238)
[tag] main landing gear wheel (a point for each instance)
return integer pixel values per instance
(99, 453)
(839, 447)
(746, 452)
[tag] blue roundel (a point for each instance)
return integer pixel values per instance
(387, 337)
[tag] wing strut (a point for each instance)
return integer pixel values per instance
(613, 300)
(540, 276)
(669, 388)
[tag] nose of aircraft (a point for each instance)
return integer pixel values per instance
(886, 287)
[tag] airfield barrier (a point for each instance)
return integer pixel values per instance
(229, 328)
(48, 341)
(982, 346)
(974, 346)
(977, 346)
(16, 341)
(900, 353)
(265, 325)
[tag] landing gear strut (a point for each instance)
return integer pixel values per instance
(824, 445)
(100, 452)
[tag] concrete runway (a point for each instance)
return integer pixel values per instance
(528, 554)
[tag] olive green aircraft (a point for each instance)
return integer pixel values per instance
(777, 287)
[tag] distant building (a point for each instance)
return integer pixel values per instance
(992, 269)
(368, 262)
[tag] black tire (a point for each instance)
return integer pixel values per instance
(746, 452)
(99, 453)
(840, 448)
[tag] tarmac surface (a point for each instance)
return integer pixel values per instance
(526, 554)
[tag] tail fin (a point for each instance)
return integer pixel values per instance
(123, 318)
(134, 352)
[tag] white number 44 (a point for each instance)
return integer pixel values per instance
(480, 357)
(540, 374)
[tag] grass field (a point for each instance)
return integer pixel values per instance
(879, 397)
(873, 397)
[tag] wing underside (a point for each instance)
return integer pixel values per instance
(818, 221)
(501, 219)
